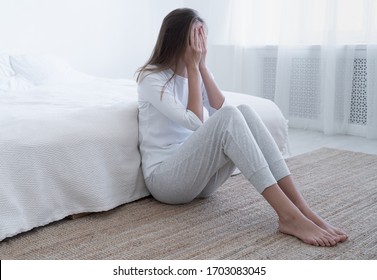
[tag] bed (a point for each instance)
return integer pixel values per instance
(69, 141)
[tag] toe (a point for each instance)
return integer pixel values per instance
(321, 242)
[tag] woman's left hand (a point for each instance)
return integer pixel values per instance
(203, 42)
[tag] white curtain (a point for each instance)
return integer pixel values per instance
(316, 59)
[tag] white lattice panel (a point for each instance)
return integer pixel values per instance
(304, 97)
(359, 102)
(269, 77)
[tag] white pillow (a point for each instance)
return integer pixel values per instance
(3, 84)
(16, 83)
(45, 70)
(6, 70)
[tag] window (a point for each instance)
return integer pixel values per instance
(308, 22)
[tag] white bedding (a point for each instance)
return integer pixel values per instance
(72, 148)
(67, 149)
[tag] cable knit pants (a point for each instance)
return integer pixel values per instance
(232, 137)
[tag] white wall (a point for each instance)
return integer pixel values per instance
(109, 38)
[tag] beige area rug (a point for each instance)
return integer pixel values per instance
(235, 223)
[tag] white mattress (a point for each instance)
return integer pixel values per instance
(67, 149)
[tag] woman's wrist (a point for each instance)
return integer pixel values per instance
(192, 68)
(202, 67)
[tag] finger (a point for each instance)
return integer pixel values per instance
(201, 33)
(204, 32)
(202, 44)
(203, 38)
(196, 37)
(200, 39)
(192, 37)
(199, 36)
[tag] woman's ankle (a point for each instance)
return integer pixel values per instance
(290, 216)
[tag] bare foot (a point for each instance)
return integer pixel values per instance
(337, 234)
(307, 231)
(297, 219)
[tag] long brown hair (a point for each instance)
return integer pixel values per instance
(171, 42)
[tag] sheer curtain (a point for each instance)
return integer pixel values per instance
(316, 59)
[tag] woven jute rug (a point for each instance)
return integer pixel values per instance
(235, 223)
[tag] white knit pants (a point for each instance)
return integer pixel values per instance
(232, 137)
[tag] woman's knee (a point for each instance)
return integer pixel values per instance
(239, 111)
(249, 113)
(230, 111)
(246, 109)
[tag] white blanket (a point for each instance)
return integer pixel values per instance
(67, 149)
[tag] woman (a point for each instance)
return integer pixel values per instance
(184, 158)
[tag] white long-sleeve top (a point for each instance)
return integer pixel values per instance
(164, 120)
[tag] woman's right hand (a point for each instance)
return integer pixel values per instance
(192, 58)
(194, 49)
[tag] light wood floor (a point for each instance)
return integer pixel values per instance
(302, 141)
